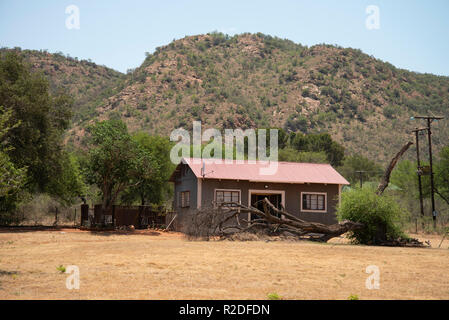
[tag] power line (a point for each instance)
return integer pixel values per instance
(430, 119)
(361, 172)
(419, 170)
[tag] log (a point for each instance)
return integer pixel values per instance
(289, 223)
(270, 224)
(386, 177)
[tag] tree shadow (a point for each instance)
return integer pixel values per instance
(8, 273)
(21, 229)
(107, 233)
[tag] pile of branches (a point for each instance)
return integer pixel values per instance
(225, 223)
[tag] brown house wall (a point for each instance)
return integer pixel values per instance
(292, 196)
(185, 181)
(189, 182)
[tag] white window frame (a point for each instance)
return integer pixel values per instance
(231, 190)
(181, 204)
(265, 191)
(318, 193)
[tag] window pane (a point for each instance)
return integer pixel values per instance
(321, 202)
(305, 203)
(220, 197)
(227, 196)
(313, 201)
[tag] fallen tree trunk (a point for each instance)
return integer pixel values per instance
(277, 222)
(270, 223)
(223, 222)
(386, 177)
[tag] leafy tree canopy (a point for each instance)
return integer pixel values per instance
(12, 178)
(37, 142)
(155, 158)
(352, 164)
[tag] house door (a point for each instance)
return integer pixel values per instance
(256, 202)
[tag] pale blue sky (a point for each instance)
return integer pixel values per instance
(413, 34)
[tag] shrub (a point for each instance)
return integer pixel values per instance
(305, 92)
(61, 269)
(379, 214)
(390, 111)
(274, 296)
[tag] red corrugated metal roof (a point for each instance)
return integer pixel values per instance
(287, 172)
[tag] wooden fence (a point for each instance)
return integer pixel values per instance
(141, 217)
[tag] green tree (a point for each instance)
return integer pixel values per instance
(317, 143)
(405, 177)
(114, 159)
(380, 215)
(37, 142)
(442, 174)
(155, 159)
(352, 164)
(292, 155)
(70, 185)
(12, 178)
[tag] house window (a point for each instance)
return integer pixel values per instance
(227, 196)
(185, 199)
(313, 202)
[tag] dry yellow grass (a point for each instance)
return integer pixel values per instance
(166, 266)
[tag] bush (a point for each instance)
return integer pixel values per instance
(379, 214)
(274, 296)
(390, 111)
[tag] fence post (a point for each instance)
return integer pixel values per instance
(56, 216)
(113, 216)
(84, 213)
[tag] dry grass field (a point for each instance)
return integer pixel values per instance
(152, 265)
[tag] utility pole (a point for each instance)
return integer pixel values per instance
(361, 172)
(419, 170)
(432, 186)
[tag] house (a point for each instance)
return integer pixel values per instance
(308, 190)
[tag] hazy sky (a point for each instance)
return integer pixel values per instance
(411, 34)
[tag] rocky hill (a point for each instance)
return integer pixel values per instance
(255, 80)
(88, 83)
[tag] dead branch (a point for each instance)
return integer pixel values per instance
(270, 224)
(223, 222)
(441, 195)
(386, 177)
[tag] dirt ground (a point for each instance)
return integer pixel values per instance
(157, 265)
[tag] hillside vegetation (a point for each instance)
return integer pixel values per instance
(255, 80)
(86, 82)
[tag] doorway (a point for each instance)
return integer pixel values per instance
(256, 197)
